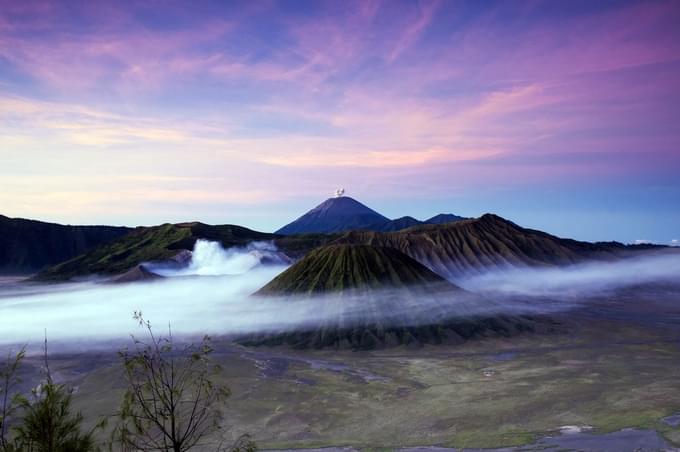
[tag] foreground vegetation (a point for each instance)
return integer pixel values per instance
(46, 422)
(172, 404)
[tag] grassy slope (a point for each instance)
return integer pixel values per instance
(27, 245)
(148, 244)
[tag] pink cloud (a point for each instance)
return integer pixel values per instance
(634, 35)
(357, 94)
(129, 56)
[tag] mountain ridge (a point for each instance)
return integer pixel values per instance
(452, 250)
(27, 246)
(458, 249)
(343, 213)
(146, 244)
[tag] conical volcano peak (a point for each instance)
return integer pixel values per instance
(337, 214)
(344, 206)
(338, 268)
(342, 213)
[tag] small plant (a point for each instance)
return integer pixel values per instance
(10, 400)
(47, 422)
(49, 426)
(172, 402)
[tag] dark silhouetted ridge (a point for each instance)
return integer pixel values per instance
(27, 246)
(399, 224)
(444, 218)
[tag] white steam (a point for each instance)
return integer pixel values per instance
(579, 280)
(210, 259)
(91, 311)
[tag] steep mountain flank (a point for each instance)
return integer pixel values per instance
(337, 268)
(473, 246)
(27, 246)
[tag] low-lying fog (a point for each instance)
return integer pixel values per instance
(577, 281)
(213, 295)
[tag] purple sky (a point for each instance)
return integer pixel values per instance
(559, 115)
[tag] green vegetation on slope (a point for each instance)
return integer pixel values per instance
(148, 244)
(341, 267)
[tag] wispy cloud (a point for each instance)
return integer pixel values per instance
(413, 31)
(264, 93)
(73, 123)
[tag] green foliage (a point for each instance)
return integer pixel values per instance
(172, 402)
(48, 424)
(9, 399)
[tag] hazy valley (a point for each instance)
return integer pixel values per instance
(476, 333)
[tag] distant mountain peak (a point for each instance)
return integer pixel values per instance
(344, 206)
(342, 213)
(338, 214)
(444, 218)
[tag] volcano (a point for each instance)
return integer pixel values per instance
(337, 214)
(338, 268)
(342, 213)
(376, 297)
